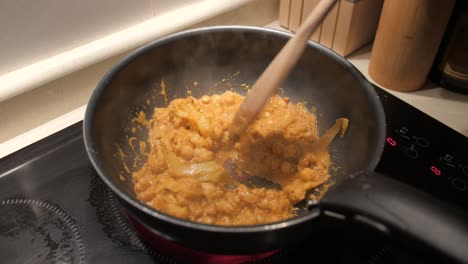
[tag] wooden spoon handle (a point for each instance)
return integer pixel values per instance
(278, 70)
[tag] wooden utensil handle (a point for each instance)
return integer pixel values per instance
(278, 70)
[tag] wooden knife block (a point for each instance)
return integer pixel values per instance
(349, 25)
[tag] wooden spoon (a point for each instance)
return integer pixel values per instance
(278, 70)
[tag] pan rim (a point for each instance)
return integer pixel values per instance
(132, 201)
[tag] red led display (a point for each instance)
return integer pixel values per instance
(391, 141)
(436, 171)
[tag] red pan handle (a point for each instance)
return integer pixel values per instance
(399, 209)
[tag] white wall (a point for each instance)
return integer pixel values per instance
(32, 30)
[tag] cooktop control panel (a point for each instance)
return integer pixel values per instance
(420, 151)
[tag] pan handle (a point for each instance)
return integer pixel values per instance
(394, 207)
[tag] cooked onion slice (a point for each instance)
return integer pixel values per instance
(323, 142)
(203, 171)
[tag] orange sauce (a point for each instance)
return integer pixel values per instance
(189, 143)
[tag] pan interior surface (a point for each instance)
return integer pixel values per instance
(212, 60)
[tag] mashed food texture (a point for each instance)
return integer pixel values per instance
(194, 172)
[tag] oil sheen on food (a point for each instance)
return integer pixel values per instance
(185, 174)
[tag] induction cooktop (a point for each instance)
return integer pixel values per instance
(55, 209)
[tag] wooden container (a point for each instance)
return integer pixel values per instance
(284, 8)
(307, 7)
(295, 14)
(407, 39)
(356, 25)
(327, 33)
(349, 25)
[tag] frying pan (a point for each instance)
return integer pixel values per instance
(225, 57)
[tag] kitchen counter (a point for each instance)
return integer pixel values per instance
(447, 107)
(31, 116)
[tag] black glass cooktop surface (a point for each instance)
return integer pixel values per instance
(55, 209)
(423, 152)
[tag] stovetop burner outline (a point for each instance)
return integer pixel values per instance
(54, 211)
(122, 221)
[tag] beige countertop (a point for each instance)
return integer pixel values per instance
(447, 107)
(31, 116)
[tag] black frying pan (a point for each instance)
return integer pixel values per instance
(323, 79)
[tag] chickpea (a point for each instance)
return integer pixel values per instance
(256, 135)
(225, 139)
(208, 143)
(218, 132)
(286, 167)
(202, 154)
(224, 206)
(205, 99)
(263, 203)
(147, 195)
(196, 210)
(282, 103)
(277, 148)
(187, 152)
(178, 147)
(289, 151)
(210, 209)
(306, 174)
(142, 184)
(307, 160)
(312, 159)
(196, 140)
(177, 122)
(224, 220)
(229, 100)
(249, 197)
(275, 163)
(304, 162)
(237, 146)
(260, 218)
